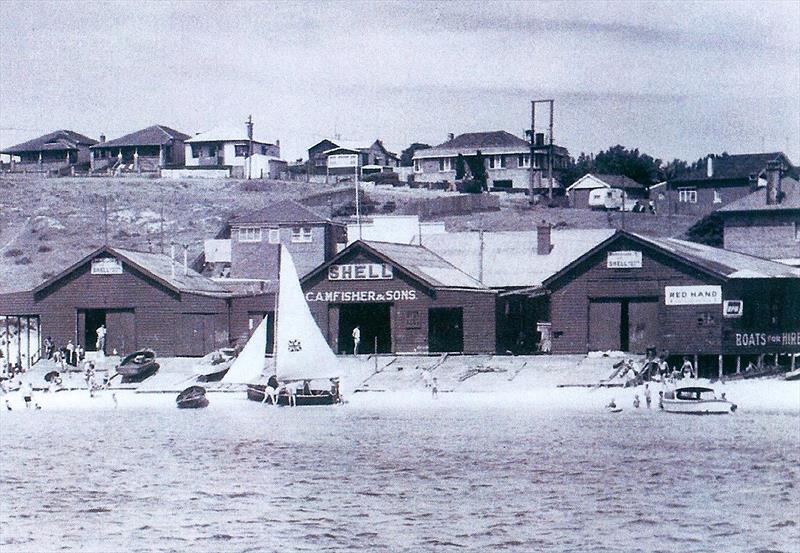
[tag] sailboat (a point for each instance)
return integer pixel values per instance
(301, 353)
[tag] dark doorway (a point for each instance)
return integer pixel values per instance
(626, 324)
(445, 329)
(94, 318)
(196, 334)
(374, 321)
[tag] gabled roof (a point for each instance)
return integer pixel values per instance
(738, 166)
(284, 212)
(58, 140)
(155, 135)
(715, 262)
(157, 266)
(468, 143)
(591, 181)
(509, 258)
(417, 262)
(225, 134)
(757, 201)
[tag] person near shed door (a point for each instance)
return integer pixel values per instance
(356, 339)
(101, 339)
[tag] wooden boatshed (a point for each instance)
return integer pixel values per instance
(632, 292)
(143, 299)
(404, 298)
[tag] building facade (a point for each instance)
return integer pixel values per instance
(58, 151)
(580, 191)
(146, 150)
(229, 150)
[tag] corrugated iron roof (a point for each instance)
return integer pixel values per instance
(155, 135)
(286, 212)
(510, 259)
(161, 266)
(57, 140)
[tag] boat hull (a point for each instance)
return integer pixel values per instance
(194, 403)
(138, 373)
(193, 397)
(701, 407)
(255, 392)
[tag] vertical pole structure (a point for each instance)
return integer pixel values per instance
(531, 181)
(550, 155)
(480, 256)
(358, 205)
(105, 220)
(720, 364)
(738, 364)
(696, 368)
(249, 124)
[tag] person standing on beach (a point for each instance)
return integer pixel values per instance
(356, 339)
(101, 339)
(71, 354)
(647, 398)
(636, 402)
(28, 395)
(435, 388)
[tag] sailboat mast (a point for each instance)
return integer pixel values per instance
(275, 317)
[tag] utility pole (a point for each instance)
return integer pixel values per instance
(249, 124)
(550, 145)
(105, 220)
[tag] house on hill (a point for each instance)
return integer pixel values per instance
(227, 152)
(507, 159)
(721, 180)
(146, 150)
(342, 158)
(581, 189)
(766, 222)
(57, 151)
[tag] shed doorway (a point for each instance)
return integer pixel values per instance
(445, 330)
(623, 324)
(374, 322)
(120, 329)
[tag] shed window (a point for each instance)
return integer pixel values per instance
(301, 234)
(274, 236)
(687, 195)
(249, 235)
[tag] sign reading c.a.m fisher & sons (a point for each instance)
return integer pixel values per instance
(693, 295)
(361, 271)
(624, 259)
(106, 266)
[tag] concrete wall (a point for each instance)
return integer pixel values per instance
(196, 173)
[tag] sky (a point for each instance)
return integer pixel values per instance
(676, 80)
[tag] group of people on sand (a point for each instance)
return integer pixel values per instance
(655, 368)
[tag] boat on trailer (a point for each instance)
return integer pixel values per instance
(193, 397)
(138, 365)
(696, 400)
(303, 358)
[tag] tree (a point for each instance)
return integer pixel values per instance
(461, 169)
(407, 155)
(478, 169)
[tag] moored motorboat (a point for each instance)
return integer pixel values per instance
(696, 400)
(193, 397)
(138, 365)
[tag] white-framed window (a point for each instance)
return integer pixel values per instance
(417, 166)
(249, 234)
(687, 195)
(492, 162)
(524, 160)
(301, 234)
(501, 160)
(717, 196)
(445, 164)
(274, 236)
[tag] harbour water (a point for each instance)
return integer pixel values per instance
(377, 475)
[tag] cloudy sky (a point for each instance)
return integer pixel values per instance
(673, 79)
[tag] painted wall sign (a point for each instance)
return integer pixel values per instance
(749, 339)
(342, 160)
(106, 266)
(361, 271)
(354, 296)
(693, 295)
(625, 259)
(732, 309)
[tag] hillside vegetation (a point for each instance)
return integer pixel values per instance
(47, 224)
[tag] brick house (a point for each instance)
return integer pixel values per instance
(720, 181)
(507, 159)
(766, 222)
(145, 150)
(56, 151)
(255, 240)
(581, 189)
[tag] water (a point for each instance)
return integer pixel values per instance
(377, 475)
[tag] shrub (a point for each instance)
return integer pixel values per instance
(23, 261)
(44, 248)
(13, 252)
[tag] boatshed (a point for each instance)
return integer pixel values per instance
(634, 291)
(404, 298)
(143, 299)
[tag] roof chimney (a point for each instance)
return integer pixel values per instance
(450, 136)
(102, 138)
(710, 166)
(543, 243)
(539, 139)
(774, 193)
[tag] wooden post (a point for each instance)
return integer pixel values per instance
(738, 364)
(696, 368)
(775, 364)
(793, 361)
(720, 366)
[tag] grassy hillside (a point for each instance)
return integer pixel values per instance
(46, 224)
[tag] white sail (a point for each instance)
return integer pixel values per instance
(301, 352)
(249, 364)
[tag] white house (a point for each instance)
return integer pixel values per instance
(223, 150)
(581, 189)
